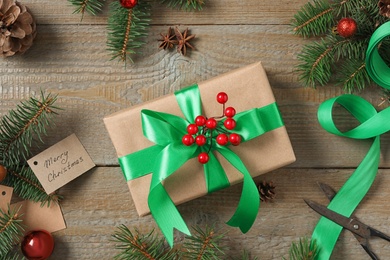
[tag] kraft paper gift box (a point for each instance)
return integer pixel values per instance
(247, 88)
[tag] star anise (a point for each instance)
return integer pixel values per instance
(384, 8)
(167, 40)
(183, 41)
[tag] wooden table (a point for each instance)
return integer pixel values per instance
(69, 58)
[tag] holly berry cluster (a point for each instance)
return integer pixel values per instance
(204, 129)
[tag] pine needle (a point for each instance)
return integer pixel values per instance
(187, 5)
(11, 230)
(92, 7)
(313, 19)
(203, 244)
(134, 245)
(27, 186)
(303, 250)
(126, 29)
(23, 127)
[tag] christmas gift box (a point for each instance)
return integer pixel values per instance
(162, 169)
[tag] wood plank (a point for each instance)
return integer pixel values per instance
(99, 201)
(215, 12)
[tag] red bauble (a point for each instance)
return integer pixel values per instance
(203, 157)
(222, 139)
(192, 129)
(188, 140)
(230, 112)
(3, 173)
(200, 120)
(211, 123)
(128, 3)
(235, 139)
(230, 123)
(200, 140)
(222, 97)
(346, 27)
(37, 245)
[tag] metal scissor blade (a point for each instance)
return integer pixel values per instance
(351, 224)
(327, 190)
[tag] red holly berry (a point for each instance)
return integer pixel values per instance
(230, 123)
(211, 123)
(230, 112)
(203, 157)
(222, 97)
(200, 120)
(192, 129)
(346, 27)
(128, 3)
(200, 140)
(222, 139)
(188, 140)
(235, 139)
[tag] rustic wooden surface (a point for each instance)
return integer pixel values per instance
(69, 58)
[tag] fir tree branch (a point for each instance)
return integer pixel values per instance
(137, 246)
(204, 244)
(123, 40)
(11, 230)
(316, 64)
(87, 6)
(27, 186)
(187, 5)
(23, 126)
(354, 76)
(313, 19)
(303, 250)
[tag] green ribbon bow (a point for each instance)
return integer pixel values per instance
(372, 125)
(169, 154)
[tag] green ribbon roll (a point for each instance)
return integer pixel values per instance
(375, 66)
(169, 154)
(372, 125)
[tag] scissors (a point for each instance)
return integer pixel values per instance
(361, 231)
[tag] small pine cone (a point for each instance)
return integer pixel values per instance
(384, 8)
(266, 190)
(18, 28)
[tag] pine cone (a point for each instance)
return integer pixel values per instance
(266, 190)
(384, 8)
(18, 28)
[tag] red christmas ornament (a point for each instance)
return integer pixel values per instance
(203, 157)
(200, 140)
(192, 129)
(188, 140)
(3, 173)
(222, 139)
(211, 123)
(200, 120)
(222, 97)
(346, 27)
(230, 112)
(128, 3)
(235, 139)
(230, 123)
(37, 245)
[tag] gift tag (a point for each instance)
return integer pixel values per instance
(5, 197)
(61, 163)
(36, 217)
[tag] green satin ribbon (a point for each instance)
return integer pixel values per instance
(375, 66)
(169, 154)
(372, 125)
